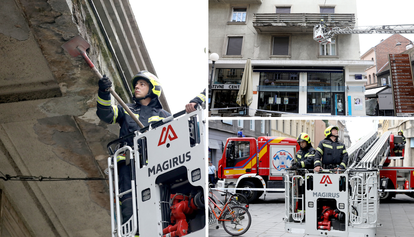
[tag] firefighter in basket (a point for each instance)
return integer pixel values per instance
(305, 156)
(330, 154)
(398, 147)
(147, 108)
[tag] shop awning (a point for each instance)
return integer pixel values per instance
(374, 91)
(214, 144)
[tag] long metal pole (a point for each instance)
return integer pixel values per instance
(210, 96)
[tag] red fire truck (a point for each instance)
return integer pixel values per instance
(255, 163)
(398, 180)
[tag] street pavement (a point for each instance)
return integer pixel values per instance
(396, 217)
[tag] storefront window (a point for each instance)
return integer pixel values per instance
(319, 82)
(337, 82)
(273, 80)
(279, 91)
(319, 102)
(228, 76)
(279, 101)
(321, 88)
(225, 98)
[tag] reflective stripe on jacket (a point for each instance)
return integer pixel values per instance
(305, 157)
(111, 114)
(329, 153)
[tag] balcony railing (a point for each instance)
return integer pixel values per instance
(267, 21)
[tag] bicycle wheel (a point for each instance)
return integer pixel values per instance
(236, 220)
(239, 199)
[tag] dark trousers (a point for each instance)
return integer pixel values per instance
(211, 178)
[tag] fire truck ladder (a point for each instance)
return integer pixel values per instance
(323, 34)
(381, 29)
(129, 227)
(379, 150)
(294, 197)
(364, 182)
(357, 151)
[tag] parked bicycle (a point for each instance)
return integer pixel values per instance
(233, 214)
(238, 199)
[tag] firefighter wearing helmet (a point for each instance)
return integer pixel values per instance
(305, 156)
(398, 147)
(146, 107)
(330, 154)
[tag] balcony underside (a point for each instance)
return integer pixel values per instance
(298, 22)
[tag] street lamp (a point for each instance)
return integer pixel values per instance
(213, 57)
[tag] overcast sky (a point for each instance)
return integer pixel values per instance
(176, 35)
(359, 127)
(381, 12)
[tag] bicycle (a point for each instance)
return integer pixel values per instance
(236, 219)
(237, 199)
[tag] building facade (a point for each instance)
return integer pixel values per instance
(292, 128)
(220, 130)
(291, 71)
(394, 44)
(343, 134)
(48, 122)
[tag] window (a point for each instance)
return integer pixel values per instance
(237, 151)
(373, 78)
(229, 122)
(224, 98)
(262, 126)
(320, 87)
(252, 125)
(279, 101)
(328, 49)
(228, 76)
(297, 130)
(239, 15)
(279, 91)
(240, 123)
(369, 79)
(280, 45)
(234, 45)
(327, 9)
(282, 9)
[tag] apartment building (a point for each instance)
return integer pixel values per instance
(292, 128)
(394, 44)
(291, 71)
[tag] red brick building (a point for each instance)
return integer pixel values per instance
(379, 54)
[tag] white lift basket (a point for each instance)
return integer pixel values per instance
(168, 170)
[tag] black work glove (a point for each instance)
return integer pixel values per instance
(104, 83)
(294, 165)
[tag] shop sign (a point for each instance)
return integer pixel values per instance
(402, 84)
(226, 86)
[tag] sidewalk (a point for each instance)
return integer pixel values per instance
(396, 217)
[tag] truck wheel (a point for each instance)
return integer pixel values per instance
(385, 196)
(386, 184)
(250, 195)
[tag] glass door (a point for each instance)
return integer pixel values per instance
(338, 105)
